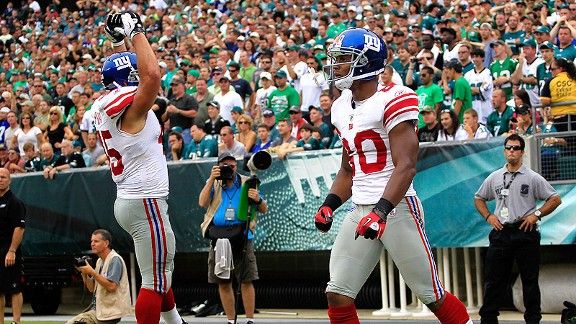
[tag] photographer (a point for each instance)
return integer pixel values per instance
(221, 197)
(108, 282)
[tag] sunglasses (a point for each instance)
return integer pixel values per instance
(242, 122)
(232, 70)
(267, 62)
(224, 134)
(29, 117)
(513, 147)
(53, 113)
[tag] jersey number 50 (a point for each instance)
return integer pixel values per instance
(116, 165)
(379, 149)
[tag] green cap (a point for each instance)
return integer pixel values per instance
(529, 42)
(542, 30)
(214, 50)
(194, 73)
(293, 48)
(321, 56)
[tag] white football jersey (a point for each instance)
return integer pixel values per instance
(137, 161)
(364, 131)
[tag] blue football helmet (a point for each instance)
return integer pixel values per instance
(367, 52)
(120, 70)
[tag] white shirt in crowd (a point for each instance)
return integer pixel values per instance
(227, 102)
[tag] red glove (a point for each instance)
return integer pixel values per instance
(323, 218)
(371, 226)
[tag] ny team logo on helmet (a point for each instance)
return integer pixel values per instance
(367, 56)
(120, 70)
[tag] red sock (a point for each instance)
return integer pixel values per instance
(343, 314)
(168, 301)
(148, 307)
(452, 311)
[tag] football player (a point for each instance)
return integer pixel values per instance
(132, 138)
(378, 164)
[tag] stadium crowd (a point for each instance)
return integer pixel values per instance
(244, 76)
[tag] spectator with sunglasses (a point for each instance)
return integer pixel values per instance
(515, 235)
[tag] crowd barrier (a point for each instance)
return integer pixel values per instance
(63, 212)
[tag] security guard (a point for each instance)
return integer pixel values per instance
(12, 223)
(515, 234)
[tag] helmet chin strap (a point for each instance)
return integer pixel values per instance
(346, 82)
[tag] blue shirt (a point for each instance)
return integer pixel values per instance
(230, 199)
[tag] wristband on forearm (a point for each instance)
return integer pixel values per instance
(332, 201)
(383, 208)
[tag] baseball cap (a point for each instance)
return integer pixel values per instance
(240, 38)
(542, 30)
(225, 156)
(177, 129)
(214, 103)
(162, 64)
(546, 45)
(24, 96)
(529, 42)
(281, 74)
(401, 14)
(217, 69)
(497, 42)
(194, 73)
(524, 109)
(453, 64)
(4, 110)
(237, 109)
(352, 8)
(485, 26)
(224, 78)
(293, 48)
(318, 47)
(311, 107)
(295, 109)
(254, 34)
(266, 75)
(268, 113)
(427, 109)
(398, 33)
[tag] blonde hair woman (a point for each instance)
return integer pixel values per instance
(57, 130)
(245, 134)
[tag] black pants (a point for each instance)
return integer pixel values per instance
(506, 246)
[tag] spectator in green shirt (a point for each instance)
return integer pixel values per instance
(337, 25)
(429, 93)
(462, 93)
(284, 97)
(499, 120)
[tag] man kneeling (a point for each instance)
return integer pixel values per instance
(108, 282)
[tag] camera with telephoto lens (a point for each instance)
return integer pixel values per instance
(82, 261)
(226, 172)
